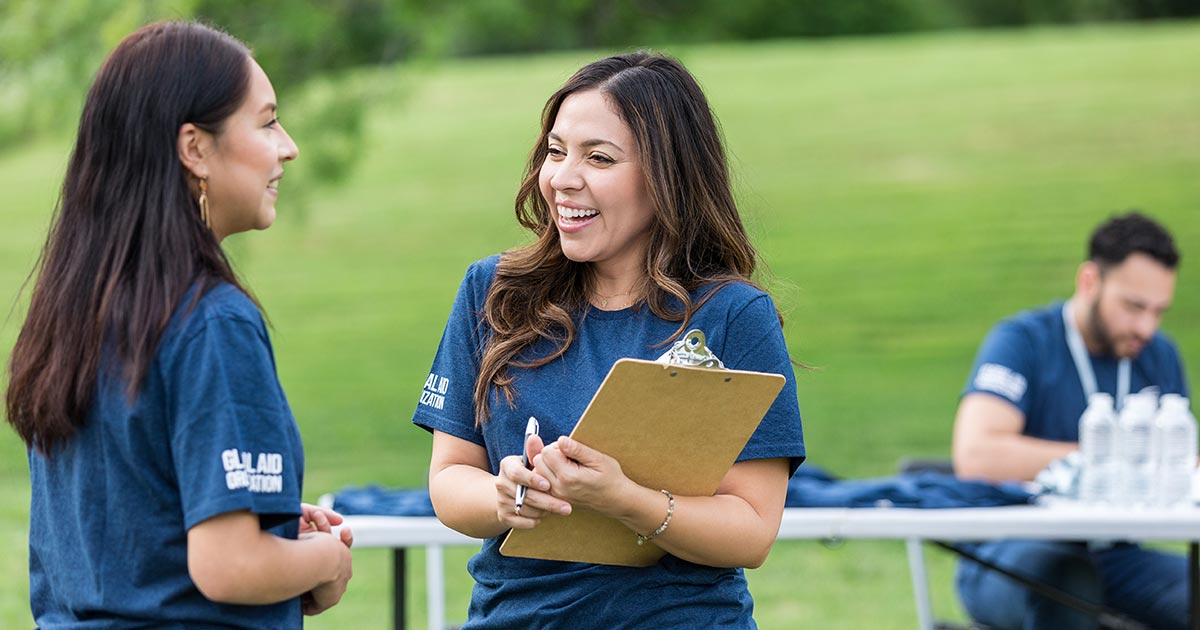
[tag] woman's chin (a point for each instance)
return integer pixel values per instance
(576, 256)
(574, 252)
(266, 219)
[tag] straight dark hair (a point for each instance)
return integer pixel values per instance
(696, 236)
(127, 241)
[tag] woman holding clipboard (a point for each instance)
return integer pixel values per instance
(638, 240)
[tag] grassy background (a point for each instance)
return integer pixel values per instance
(905, 193)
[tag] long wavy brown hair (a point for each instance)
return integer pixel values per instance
(696, 237)
(127, 241)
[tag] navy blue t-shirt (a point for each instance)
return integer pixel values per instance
(741, 328)
(210, 432)
(1025, 360)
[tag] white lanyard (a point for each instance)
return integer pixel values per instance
(1083, 363)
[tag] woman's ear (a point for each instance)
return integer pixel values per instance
(193, 146)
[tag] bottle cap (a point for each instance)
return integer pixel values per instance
(1142, 402)
(1174, 402)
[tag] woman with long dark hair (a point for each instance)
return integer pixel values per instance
(637, 240)
(165, 463)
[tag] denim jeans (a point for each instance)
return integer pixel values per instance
(1146, 585)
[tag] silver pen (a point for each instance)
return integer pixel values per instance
(530, 429)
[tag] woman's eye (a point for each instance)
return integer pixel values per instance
(272, 122)
(602, 159)
(556, 152)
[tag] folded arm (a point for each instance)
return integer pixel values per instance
(233, 561)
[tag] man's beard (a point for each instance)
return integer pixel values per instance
(1099, 332)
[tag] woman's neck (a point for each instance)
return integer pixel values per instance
(614, 289)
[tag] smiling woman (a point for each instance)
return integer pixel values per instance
(164, 460)
(637, 240)
(244, 161)
(591, 164)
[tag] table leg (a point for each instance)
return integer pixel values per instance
(920, 582)
(398, 579)
(1194, 585)
(435, 587)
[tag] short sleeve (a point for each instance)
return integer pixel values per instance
(234, 441)
(447, 401)
(754, 342)
(1005, 366)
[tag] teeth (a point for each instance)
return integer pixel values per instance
(572, 213)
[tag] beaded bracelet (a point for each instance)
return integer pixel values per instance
(661, 528)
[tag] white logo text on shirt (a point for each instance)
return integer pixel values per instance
(262, 474)
(434, 393)
(997, 378)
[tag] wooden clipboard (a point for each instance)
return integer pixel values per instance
(674, 427)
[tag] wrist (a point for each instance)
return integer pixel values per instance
(643, 539)
(629, 502)
(333, 555)
(646, 509)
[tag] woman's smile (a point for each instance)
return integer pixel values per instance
(573, 217)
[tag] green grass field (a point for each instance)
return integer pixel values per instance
(905, 193)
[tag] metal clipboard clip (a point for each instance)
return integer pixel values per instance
(691, 352)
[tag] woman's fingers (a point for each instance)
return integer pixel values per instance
(516, 474)
(537, 506)
(316, 518)
(537, 501)
(580, 474)
(533, 446)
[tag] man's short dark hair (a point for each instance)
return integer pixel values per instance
(1131, 233)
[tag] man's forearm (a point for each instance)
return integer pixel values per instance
(1007, 457)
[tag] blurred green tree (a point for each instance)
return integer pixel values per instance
(50, 49)
(49, 52)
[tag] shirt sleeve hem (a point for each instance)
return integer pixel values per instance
(432, 423)
(993, 394)
(793, 452)
(279, 505)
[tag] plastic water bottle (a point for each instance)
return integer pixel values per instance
(1135, 449)
(1097, 445)
(1175, 433)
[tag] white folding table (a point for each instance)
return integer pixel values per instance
(1056, 522)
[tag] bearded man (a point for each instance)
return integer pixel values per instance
(1020, 411)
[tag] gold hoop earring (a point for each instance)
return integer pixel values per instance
(204, 202)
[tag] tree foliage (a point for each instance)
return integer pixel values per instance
(50, 49)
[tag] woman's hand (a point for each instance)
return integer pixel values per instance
(581, 475)
(327, 594)
(318, 520)
(538, 501)
(314, 518)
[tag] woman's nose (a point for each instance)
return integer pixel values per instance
(566, 176)
(288, 150)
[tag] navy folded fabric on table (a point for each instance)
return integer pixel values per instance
(378, 501)
(811, 486)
